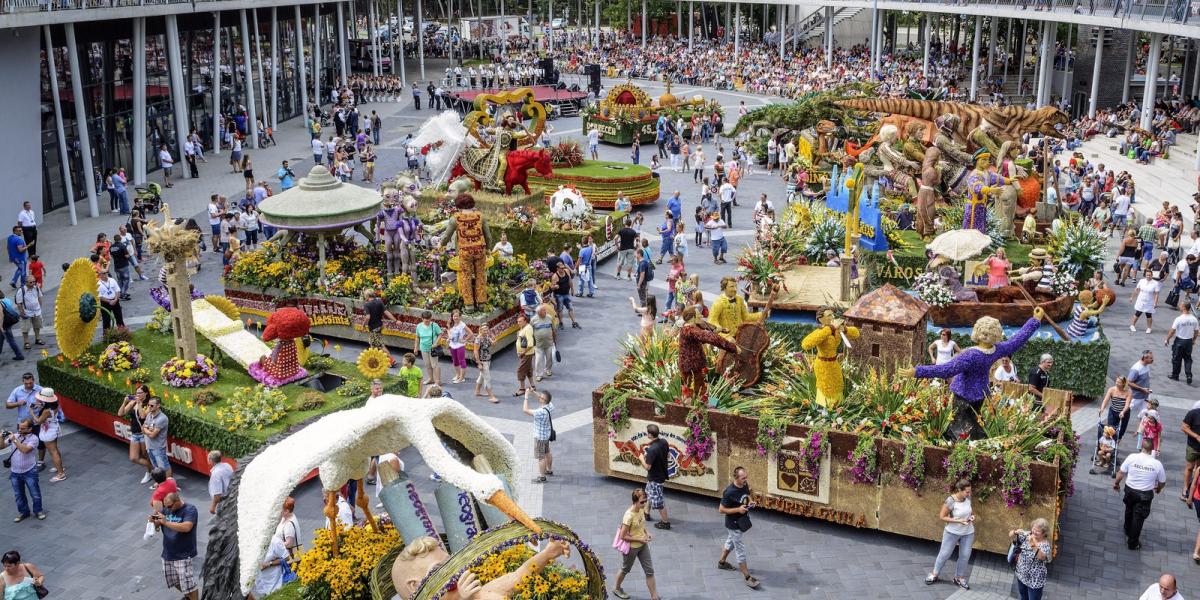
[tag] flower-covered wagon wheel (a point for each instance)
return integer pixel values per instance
(76, 309)
(445, 578)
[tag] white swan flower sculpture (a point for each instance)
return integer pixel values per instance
(341, 444)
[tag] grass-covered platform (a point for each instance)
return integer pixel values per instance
(600, 180)
(911, 261)
(92, 397)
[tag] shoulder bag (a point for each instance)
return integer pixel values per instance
(40, 590)
(553, 433)
(620, 544)
(743, 523)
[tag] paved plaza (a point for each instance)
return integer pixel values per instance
(90, 547)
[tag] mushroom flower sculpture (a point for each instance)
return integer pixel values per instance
(341, 445)
(285, 325)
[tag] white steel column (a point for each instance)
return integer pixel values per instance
(262, 81)
(596, 44)
(737, 26)
(643, 23)
(419, 28)
(1046, 62)
(179, 91)
(248, 71)
(139, 102)
(975, 56)
(874, 41)
(782, 22)
(343, 67)
(400, 18)
(925, 52)
(274, 68)
(1130, 58)
(1067, 64)
(828, 37)
(550, 26)
(216, 88)
(1196, 72)
(64, 158)
(1096, 72)
(691, 22)
(991, 45)
(1021, 55)
(316, 44)
(302, 64)
(373, 24)
(1151, 90)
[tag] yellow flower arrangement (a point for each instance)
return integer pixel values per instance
(555, 581)
(345, 576)
(373, 363)
(258, 406)
(224, 305)
(76, 309)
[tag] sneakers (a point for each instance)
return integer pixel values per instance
(1147, 330)
(146, 477)
(41, 516)
(620, 593)
(539, 479)
(751, 582)
(1132, 329)
(724, 566)
(663, 525)
(19, 518)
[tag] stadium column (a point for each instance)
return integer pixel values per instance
(262, 81)
(1021, 55)
(643, 24)
(782, 24)
(216, 88)
(1130, 58)
(596, 44)
(691, 22)
(179, 91)
(341, 42)
(1151, 86)
(419, 28)
(138, 40)
(991, 45)
(63, 156)
(274, 67)
(1196, 69)
(737, 27)
(828, 37)
(1096, 73)
(302, 66)
(248, 69)
(925, 51)
(316, 45)
(550, 34)
(1045, 61)
(975, 39)
(1067, 63)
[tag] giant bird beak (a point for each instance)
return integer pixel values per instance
(506, 505)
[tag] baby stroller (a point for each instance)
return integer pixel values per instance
(1111, 468)
(149, 197)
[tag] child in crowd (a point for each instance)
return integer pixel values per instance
(37, 269)
(1029, 226)
(483, 360)
(1150, 429)
(1104, 451)
(411, 374)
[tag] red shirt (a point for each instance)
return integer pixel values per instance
(163, 489)
(38, 269)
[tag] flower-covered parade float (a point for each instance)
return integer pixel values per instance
(488, 544)
(221, 386)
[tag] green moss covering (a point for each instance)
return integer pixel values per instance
(192, 424)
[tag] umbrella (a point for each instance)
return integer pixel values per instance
(960, 244)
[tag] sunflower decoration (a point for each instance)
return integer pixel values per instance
(76, 309)
(373, 363)
(225, 305)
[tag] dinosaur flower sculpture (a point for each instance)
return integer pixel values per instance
(285, 325)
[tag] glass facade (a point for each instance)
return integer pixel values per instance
(106, 59)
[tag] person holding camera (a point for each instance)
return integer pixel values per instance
(23, 466)
(177, 522)
(735, 505)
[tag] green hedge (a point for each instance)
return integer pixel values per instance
(535, 243)
(88, 391)
(1081, 368)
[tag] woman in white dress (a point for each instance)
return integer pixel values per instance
(1145, 299)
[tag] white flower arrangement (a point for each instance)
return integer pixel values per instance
(228, 334)
(341, 445)
(568, 204)
(929, 287)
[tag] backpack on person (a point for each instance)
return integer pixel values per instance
(11, 316)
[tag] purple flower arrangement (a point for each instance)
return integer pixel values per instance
(163, 299)
(700, 444)
(264, 377)
(120, 356)
(960, 463)
(818, 442)
(912, 467)
(179, 372)
(1015, 482)
(863, 464)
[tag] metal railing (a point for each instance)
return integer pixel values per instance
(1176, 11)
(36, 6)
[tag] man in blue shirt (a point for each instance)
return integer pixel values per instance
(543, 432)
(675, 205)
(565, 257)
(586, 272)
(667, 232)
(17, 256)
(287, 178)
(23, 396)
(177, 521)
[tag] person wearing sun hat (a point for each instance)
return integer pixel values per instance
(47, 417)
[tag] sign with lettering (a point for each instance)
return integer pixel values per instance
(629, 444)
(320, 312)
(788, 476)
(870, 218)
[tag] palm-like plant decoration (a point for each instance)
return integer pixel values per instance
(1077, 248)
